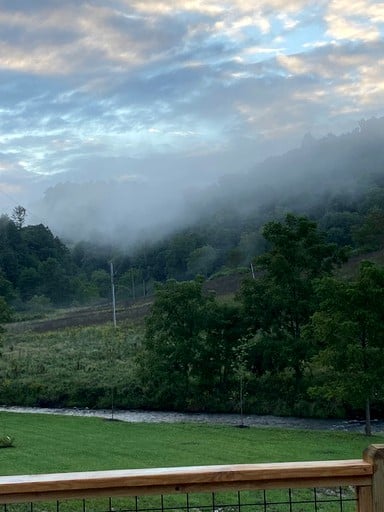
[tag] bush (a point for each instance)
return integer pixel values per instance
(6, 441)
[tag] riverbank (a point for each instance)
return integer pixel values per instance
(52, 443)
(204, 418)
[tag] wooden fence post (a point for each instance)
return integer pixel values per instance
(374, 454)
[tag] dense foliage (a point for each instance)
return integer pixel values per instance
(33, 262)
(299, 340)
(292, 343)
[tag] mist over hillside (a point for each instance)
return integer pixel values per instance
(126, 210)
(300, 178)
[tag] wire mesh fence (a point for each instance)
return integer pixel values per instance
(338, 499)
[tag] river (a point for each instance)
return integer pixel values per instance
(207, 418)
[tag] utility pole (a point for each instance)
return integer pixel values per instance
(113, 296)
(114, 323)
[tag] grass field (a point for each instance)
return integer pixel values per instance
(75, 366)
(46, 444)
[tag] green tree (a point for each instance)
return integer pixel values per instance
(201, 261)
(29, 282)
(84, 289)
(217, 376)
(131, 284)
(280, 301)
(11, 249)
(5, 312)
(6, 289)
(56, 285)
(18, 216)
(179, 248)
(101, 280)
(339, 226)
(349, 330)
(187, 357)
(175, 333)
(370, 235)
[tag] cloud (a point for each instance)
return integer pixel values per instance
(355, 21)
(94, 89)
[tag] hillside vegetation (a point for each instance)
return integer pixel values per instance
(302, 335)
(336, 181)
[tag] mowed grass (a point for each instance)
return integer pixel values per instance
(49, 444)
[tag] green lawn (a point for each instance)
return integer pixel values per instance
(45, 444)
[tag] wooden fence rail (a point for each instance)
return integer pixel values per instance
(366, 475)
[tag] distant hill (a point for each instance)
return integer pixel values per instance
(338, 181)
(301, 179)
(129, 212)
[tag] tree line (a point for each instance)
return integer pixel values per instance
(299, 339)
(38, 270)
(335, 181)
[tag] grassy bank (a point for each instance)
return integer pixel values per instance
(69, 367)
(45, 444)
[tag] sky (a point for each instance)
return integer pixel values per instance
(176, 91)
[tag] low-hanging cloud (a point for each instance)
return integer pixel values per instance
(175, 94)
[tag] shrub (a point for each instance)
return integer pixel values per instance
(6, 441)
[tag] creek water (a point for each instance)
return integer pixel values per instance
(207, 418)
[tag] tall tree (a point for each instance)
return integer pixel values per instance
(175, 333)
(186, 361)
(349, 329)
(18, 216)
(281, 299)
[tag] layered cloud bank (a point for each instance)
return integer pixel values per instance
(176, 91)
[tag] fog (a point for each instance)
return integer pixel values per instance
(128, 201)
(139, 206)
(121, 120)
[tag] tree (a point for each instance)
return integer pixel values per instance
(55, 284)
(188, 352)
(6, 289)
(101, 280)
(179, 248)
(29, 282)
(349, 330)
(5, 312)
(218, 375)
(241, 372)
(18, 216)
(11, 249)
(201, 261)
(339, 225)
(131, 284)
(370, 235)
(175, 332)
(41, 244)
(280, 301)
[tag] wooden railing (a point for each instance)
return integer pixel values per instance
(366, 475)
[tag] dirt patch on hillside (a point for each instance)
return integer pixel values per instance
(224, 285)
(84, 317)
(131, 310)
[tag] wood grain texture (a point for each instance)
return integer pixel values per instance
(374, 455)
(364, 499)
(184, 479)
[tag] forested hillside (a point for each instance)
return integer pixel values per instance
(299, 339)
(336, 181)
